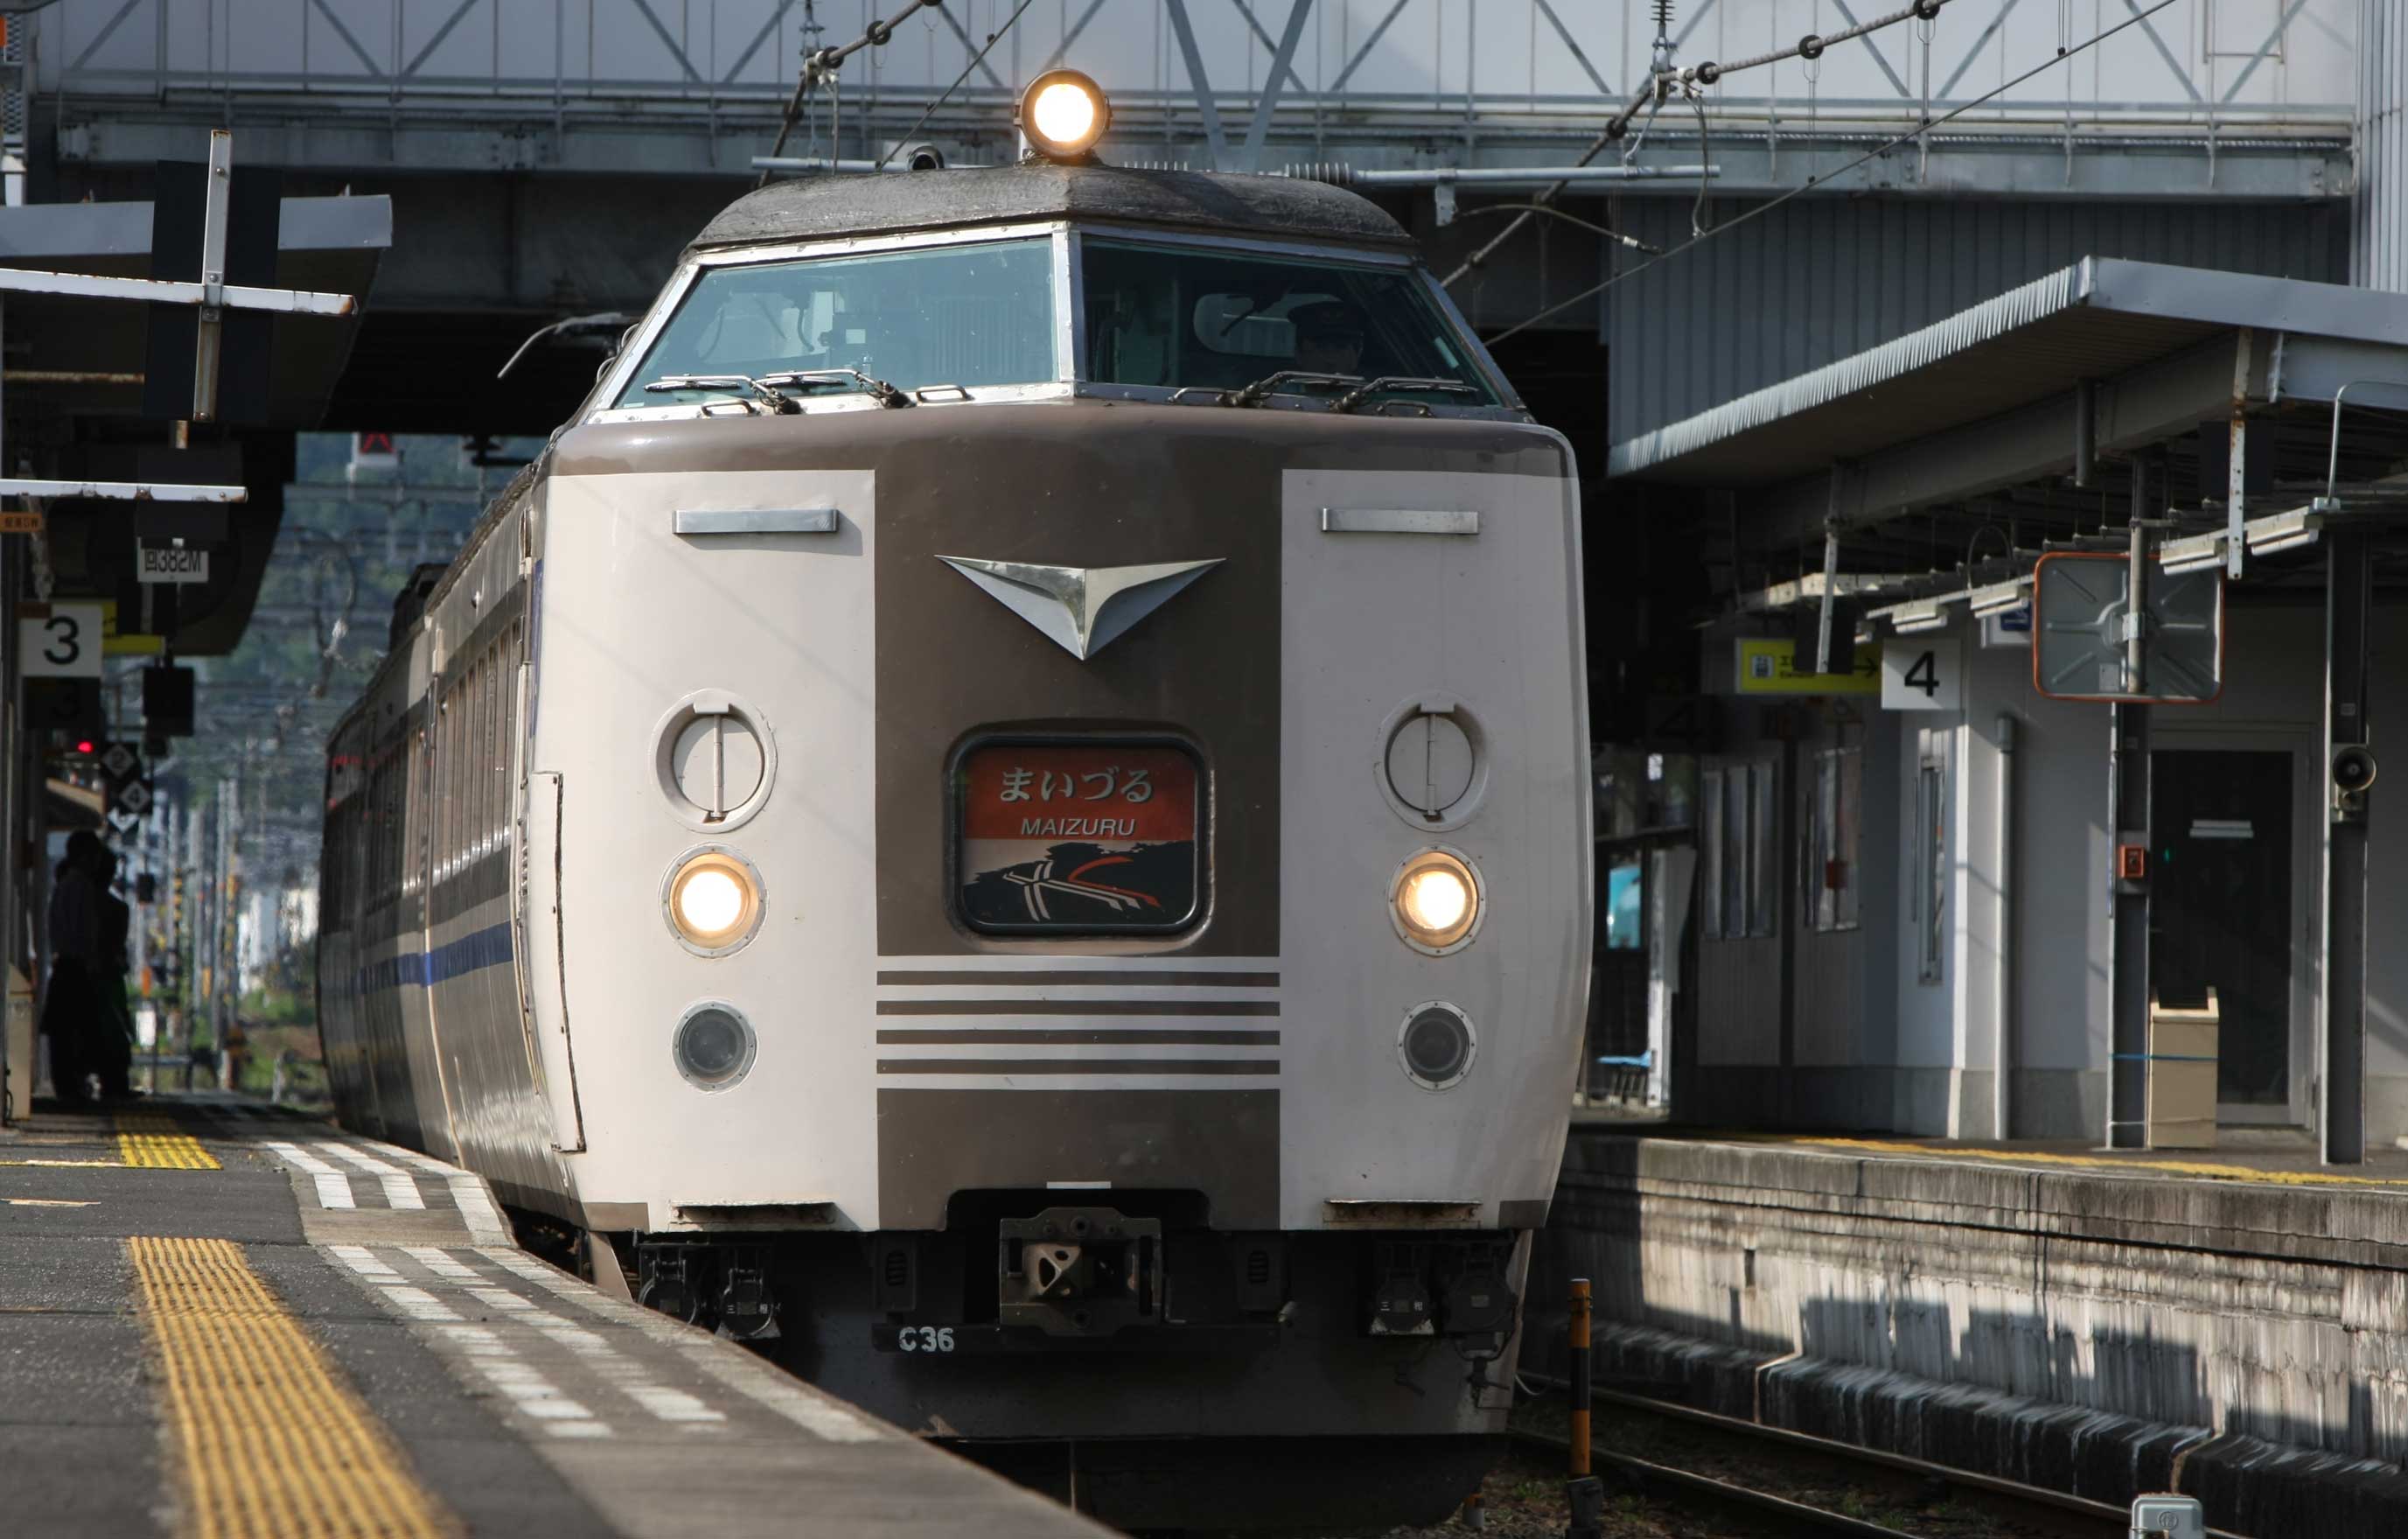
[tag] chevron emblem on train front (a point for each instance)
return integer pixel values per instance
(1082, 609)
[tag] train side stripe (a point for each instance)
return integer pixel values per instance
(473, 953)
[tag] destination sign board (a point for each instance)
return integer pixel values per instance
(1078, 837)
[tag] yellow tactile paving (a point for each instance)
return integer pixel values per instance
(270, 1443)
(153, 1142)
(2205, 1171)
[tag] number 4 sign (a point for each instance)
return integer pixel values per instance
(1922, 675)
(59, 640)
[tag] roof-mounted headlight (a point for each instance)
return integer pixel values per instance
(1062, 113)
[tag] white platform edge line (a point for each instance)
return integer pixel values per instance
(822, 1416)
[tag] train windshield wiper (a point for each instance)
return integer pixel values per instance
(839, 379)
(1288, 379)
(1364, 392)
(744, 386)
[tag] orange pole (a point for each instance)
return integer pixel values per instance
(1580, 1379)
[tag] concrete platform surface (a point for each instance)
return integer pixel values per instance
(223, 1321)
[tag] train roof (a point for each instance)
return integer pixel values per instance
(827, 208)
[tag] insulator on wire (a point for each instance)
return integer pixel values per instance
(1336, 173)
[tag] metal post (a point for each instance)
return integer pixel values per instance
(1586, 1493)
(2236, 477)
(1831, 584)
(12, 732)
(2085, 432)
(2002, 997)
(2127, 816)
(2129, 976)
(2348, 598)
(2136, 608)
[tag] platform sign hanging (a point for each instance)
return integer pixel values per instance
(1768, 664)
(1923, 673)
(1060, 838)
(59, 640)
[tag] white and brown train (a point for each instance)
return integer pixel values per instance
(1003, 815)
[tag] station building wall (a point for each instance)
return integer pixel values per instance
(1875, 1044)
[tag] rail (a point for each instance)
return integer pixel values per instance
(2055, 1511)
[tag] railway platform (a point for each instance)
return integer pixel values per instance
(225, 1321)
(2230, 1323)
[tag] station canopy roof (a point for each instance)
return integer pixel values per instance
(1977, 420)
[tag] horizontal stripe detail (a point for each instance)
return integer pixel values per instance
(1136, 978)
(1057, 962)
(989, 1067)
(1076, 1036)
(471, 953)
(1078, 1007)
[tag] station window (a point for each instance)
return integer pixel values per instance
(1831, 891)
(1740, 850)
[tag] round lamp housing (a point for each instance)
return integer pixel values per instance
(713, 1045)
(1434, 900)
(713, 900)
(1062, 113)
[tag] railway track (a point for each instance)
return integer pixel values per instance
(1743, 1468)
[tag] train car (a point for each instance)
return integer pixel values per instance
(1003, 816)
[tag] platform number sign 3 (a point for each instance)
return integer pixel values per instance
(59, 640)
(1923, 673)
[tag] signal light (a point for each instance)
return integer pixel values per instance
(85, 746)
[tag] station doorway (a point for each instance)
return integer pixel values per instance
(2231, 905)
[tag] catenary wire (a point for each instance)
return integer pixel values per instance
(1552, 212)
(976, 59)
(1812, 46)
(2138, 16)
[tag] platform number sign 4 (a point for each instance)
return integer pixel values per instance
(1923, 673)
(59, 640)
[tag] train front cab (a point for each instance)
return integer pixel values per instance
(1163, 879)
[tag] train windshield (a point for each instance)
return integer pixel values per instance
(941, 315)
(1221, 319)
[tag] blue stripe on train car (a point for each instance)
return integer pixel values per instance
(473, 953)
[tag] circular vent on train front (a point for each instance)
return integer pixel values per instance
(1432, 767)
(715, 758)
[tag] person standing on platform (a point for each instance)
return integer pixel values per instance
(113, 1020)
(71, 1008)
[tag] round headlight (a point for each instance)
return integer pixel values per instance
(713, 1046)
(1064, 113)
(1436, 1045)
(713, 900)
(1435, 900)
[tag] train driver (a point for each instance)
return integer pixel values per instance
(1329, 337)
